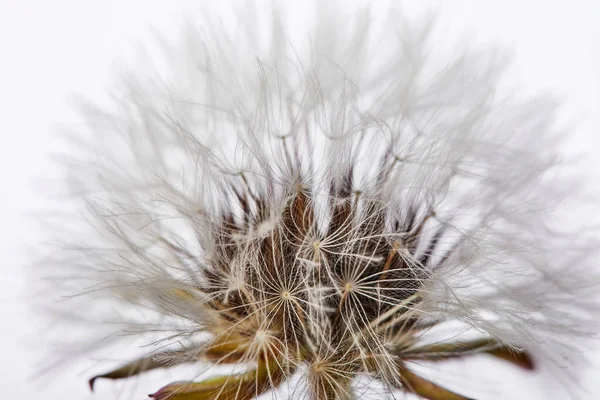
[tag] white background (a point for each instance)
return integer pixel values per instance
(51, 48)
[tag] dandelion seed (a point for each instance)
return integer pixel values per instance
(326, 209)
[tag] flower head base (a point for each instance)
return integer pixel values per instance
(329, 214)
(343, 298)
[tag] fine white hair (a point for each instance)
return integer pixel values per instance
(229, 124)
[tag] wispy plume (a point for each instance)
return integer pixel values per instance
(345, 205)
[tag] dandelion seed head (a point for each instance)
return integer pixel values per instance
(327, 208)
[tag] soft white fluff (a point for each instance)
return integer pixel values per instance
(424, 129)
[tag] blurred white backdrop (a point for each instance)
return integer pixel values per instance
(50, 49)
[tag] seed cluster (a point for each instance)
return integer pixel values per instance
(331, 299)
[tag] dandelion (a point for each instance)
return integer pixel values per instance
(325, 210)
